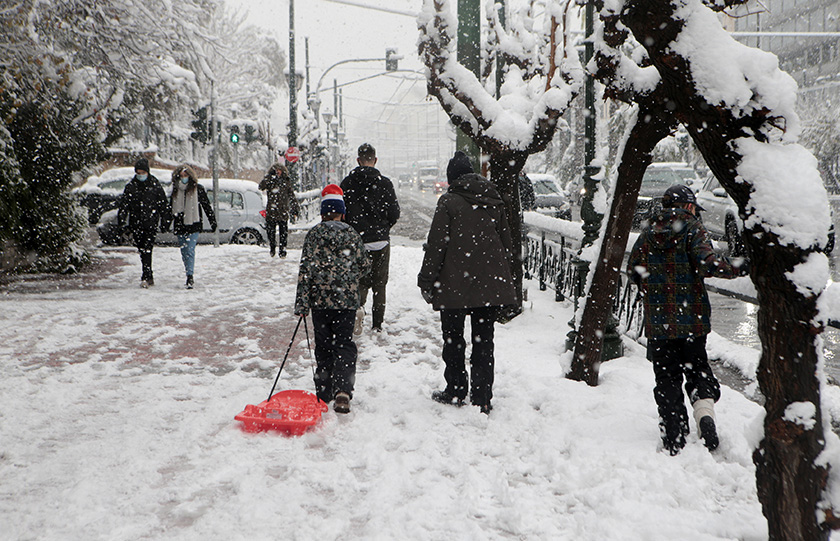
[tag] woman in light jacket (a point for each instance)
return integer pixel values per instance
(187, 201)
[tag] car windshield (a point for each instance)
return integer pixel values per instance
(656, 181)
(429, 172)
(115, 185)
(545, 187)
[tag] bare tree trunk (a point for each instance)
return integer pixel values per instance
(504, 173)
(790, 483)
(651, 126)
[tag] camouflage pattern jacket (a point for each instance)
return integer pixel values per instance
(332, 262)
(669, 261)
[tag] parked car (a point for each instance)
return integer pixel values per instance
(656, 180)
(441, 185)
(239, 220)
(549, 197)
(721, 217)
(689, 176)
(100, 193)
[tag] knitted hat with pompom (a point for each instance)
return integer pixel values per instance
(332, 200)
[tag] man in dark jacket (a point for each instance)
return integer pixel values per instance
(372, 210)
(669, 261)
(281, 203)
(467, 270)
(142, 209)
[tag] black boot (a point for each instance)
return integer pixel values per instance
(190, 282)
(708, 433)
(445, 397)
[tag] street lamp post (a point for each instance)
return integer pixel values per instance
(292, 92)
(327, 119)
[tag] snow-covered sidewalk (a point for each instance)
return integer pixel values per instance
(118, 404)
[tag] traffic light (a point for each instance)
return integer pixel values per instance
(391, 59)
(234, 134)
(201, 126)
(250, 134)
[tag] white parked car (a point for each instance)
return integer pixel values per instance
(239, 221)
(720, 216)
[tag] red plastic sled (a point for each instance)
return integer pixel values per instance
(292, 412)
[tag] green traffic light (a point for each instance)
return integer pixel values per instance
(234, 138)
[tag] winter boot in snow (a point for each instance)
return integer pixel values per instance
(190, 284)
(704, 416)
(448, 398)
(342, 403)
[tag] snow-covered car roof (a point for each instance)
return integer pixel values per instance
(94, 182)
(542, 176)
(233, 184)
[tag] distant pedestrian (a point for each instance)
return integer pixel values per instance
(282, 204)
(143, 209)
(332, 263)
(372, 210)
(669, 261)
(187, 201)
(467, 271)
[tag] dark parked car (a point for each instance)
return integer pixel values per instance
(657, 179)
(549, 197)
(101, 193)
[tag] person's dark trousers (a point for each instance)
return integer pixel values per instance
(672, 359)
(481, 360)
(377, 280)
(335, 352)
(145, 241)
(281, 230)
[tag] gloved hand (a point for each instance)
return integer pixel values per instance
(428, 295)
(744, 267)
(213, 227)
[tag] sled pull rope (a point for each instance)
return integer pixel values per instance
(292, 341)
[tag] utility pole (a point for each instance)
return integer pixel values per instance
(469, 55)
(292, 93)
(214, 165)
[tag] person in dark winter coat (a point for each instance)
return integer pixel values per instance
(332, 263)
(669, 261)
(372, 210)
(187, 201)
(282, 204)
(467, 271)
(143, 209)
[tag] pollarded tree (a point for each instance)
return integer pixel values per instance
(738, 108)
(542, 76)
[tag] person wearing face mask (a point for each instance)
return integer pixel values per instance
(142, 209)
(187, 201)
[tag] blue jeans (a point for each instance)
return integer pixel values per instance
(187, 243)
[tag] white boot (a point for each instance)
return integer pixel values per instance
(704, 416)
(702, 408)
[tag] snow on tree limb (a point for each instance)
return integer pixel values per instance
(541, 79)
